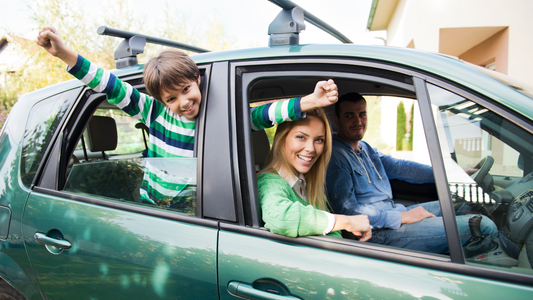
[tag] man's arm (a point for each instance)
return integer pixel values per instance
(411, 172)
(341, 195)
(406, 170)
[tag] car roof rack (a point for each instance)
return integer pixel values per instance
(286, 27)
(133, 44)
(284, 30)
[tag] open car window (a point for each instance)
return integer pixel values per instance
(110, 162)
(394, 123)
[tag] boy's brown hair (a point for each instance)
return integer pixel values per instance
(167, 71)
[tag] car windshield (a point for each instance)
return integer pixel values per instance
(521, 87)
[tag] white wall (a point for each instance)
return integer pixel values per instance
(421, 20)
(8, 62)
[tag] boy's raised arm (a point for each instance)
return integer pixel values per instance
(49, 39)
(325, 94)
(267, 115)
(119, 93)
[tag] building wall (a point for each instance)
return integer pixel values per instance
(489, 30)
(419, 22)
(8, 62)
(493, 50)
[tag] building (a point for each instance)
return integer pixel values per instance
(491, 33)
(11, 56)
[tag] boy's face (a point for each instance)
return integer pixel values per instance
(185, 99)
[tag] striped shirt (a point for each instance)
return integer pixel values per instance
(170, 134)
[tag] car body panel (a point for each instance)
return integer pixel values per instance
(448, 68)
(16, 268)
(311, 273)
(142, 256)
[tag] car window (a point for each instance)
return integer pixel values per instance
(110, 162)
(132, 135)
(394, 125)
(488, 167)
(44, 120)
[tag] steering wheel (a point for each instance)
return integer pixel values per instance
(483, 167)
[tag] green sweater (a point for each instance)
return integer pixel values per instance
(285, 213)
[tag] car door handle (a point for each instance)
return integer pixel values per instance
(50, 241)
(247, 291)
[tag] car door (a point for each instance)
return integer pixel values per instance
(89, 236)
(257, 264)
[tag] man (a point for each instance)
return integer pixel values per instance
(358, 183)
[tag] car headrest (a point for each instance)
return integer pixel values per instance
(101, 134)
(261, 148)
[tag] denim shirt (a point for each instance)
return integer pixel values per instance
(358, 182)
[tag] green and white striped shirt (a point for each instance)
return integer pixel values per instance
(170, 134)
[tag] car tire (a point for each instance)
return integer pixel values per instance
(7, 292)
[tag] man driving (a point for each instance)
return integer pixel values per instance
(358, 183)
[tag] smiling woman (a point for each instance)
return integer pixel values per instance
(291, 186)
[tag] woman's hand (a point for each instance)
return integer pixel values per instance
(50, 41)
(325, 94)
(358, 225)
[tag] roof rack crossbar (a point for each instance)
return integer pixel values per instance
(309, 17)
(133, 44)
(286, 27)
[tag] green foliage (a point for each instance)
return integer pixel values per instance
(373, 132)
(38, 69)
(113, 179)
(271, 132)
(401, 129)
(411, 124)
(5, 107)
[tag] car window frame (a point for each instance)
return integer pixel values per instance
(73, 95)
(74, 126)
(250, 224)
(239, 100)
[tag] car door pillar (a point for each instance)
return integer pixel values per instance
(435, 153)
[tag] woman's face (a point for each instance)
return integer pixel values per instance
(305, 143)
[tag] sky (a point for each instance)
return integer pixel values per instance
(244, 21)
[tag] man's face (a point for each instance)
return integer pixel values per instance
(351, 121)
(184, 100)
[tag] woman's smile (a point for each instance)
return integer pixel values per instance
(305, 143)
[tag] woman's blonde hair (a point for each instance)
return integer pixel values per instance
(316, 177)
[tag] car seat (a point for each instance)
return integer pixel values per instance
(101, 135)
(261, 148)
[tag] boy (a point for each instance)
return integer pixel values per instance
(172, 79)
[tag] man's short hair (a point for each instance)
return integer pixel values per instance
(351, 97)
(167, 71)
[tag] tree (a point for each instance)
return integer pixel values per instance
(411, 131)
(373, 132)
(38, 69)
(401, 129)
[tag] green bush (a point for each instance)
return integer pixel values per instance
(401, 128)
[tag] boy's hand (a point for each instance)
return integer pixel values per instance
(325, 94)
(49, 39)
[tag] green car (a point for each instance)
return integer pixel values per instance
(73, 225)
